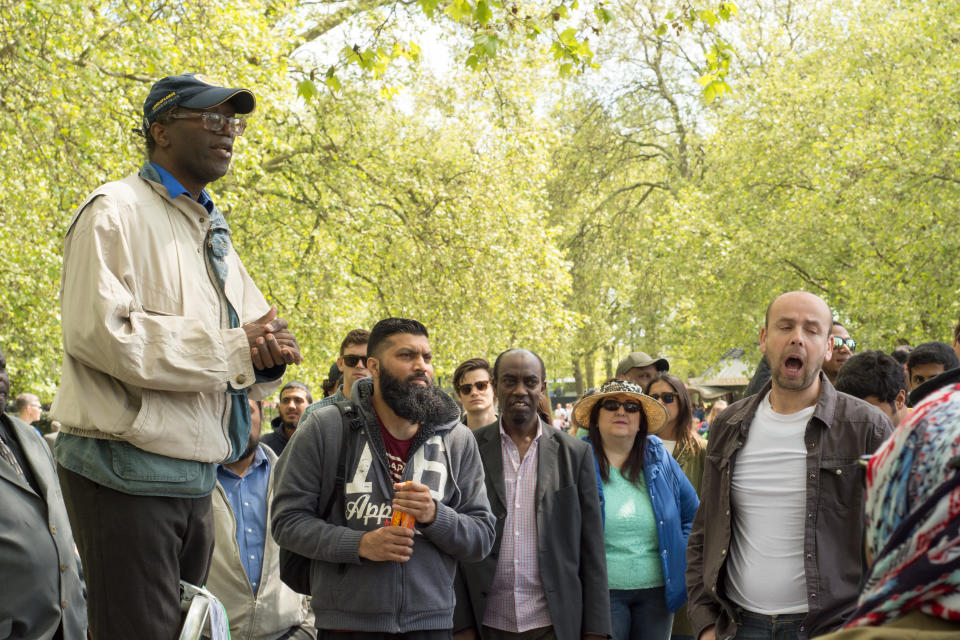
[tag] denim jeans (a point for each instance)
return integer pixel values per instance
(756, 626)
(640, 614)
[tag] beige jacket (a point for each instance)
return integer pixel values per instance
(276, 608)
(147, 352)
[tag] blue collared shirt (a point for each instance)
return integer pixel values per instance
(174, 188)
(247, 496)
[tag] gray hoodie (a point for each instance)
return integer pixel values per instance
(350, 593)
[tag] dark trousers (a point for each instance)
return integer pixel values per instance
(135, 551)
(757, 626)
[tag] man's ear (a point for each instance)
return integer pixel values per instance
(763, 340)
(159, 133)
(340, 364)
(373, 366)
(901, 400)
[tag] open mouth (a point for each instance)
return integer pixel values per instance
(793, 365)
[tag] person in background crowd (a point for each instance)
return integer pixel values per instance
(759, 379)
(639, 368)
(245, 568)
(28, 407)
(51, 437)
(352, 364)
(715, 410)
(649, 506)
(843, 347)
(546, 576)
(295, 397)
(41, 593)
(775, 546)
(913, 530)
(401, 448)
(559, 418)
(877, 378)
(929, 360)
(949, 376)
(332, 383)
(474, 389)
(165, 337)
(686, 446)
(901, 354)
(698, 412)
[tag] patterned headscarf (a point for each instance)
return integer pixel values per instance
(913, 517)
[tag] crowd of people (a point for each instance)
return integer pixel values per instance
(820, 505)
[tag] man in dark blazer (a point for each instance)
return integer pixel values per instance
(41, 593)
(547, 575)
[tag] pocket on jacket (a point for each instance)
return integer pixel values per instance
(173, 419)
(150, 467)
(841, 483)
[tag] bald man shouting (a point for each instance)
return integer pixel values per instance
(776, 545)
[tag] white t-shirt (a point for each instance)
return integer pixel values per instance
(768, 494)
(669, 445)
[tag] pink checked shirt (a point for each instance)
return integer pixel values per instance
(517, 601)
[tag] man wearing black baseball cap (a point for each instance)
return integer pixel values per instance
(165, 339)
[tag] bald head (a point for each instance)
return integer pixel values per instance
(804, 298)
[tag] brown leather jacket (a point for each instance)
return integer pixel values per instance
(841, 429)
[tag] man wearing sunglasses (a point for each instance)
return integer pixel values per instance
(843, 347)
(775, 550)
(352, 364)
(473, 385)
(166, 339)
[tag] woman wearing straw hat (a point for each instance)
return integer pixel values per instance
(649, 507)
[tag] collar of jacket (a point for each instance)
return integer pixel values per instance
(823, 412)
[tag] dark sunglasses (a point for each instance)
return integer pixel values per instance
(840, 343)
(352, 360)
(665, 398)
(629, 406)
(481, 386)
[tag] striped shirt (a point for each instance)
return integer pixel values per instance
(517, 601)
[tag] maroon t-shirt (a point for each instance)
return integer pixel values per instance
(397, 451)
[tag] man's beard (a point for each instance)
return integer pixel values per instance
(252, 445)
(413, 402)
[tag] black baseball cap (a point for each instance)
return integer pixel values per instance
(191, 91)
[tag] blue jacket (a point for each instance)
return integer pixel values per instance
(675, 504)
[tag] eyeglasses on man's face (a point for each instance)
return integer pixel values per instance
(481, 385)
(352, 360)
(213, 121)
(840, 343)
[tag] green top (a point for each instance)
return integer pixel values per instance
(630, 535)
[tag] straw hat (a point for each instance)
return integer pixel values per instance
(655, 412)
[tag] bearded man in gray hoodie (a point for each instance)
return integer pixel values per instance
(399, 446)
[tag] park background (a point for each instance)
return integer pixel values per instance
(580, 178)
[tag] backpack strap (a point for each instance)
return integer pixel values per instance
(349, 419)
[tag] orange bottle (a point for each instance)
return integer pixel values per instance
(401, 519)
